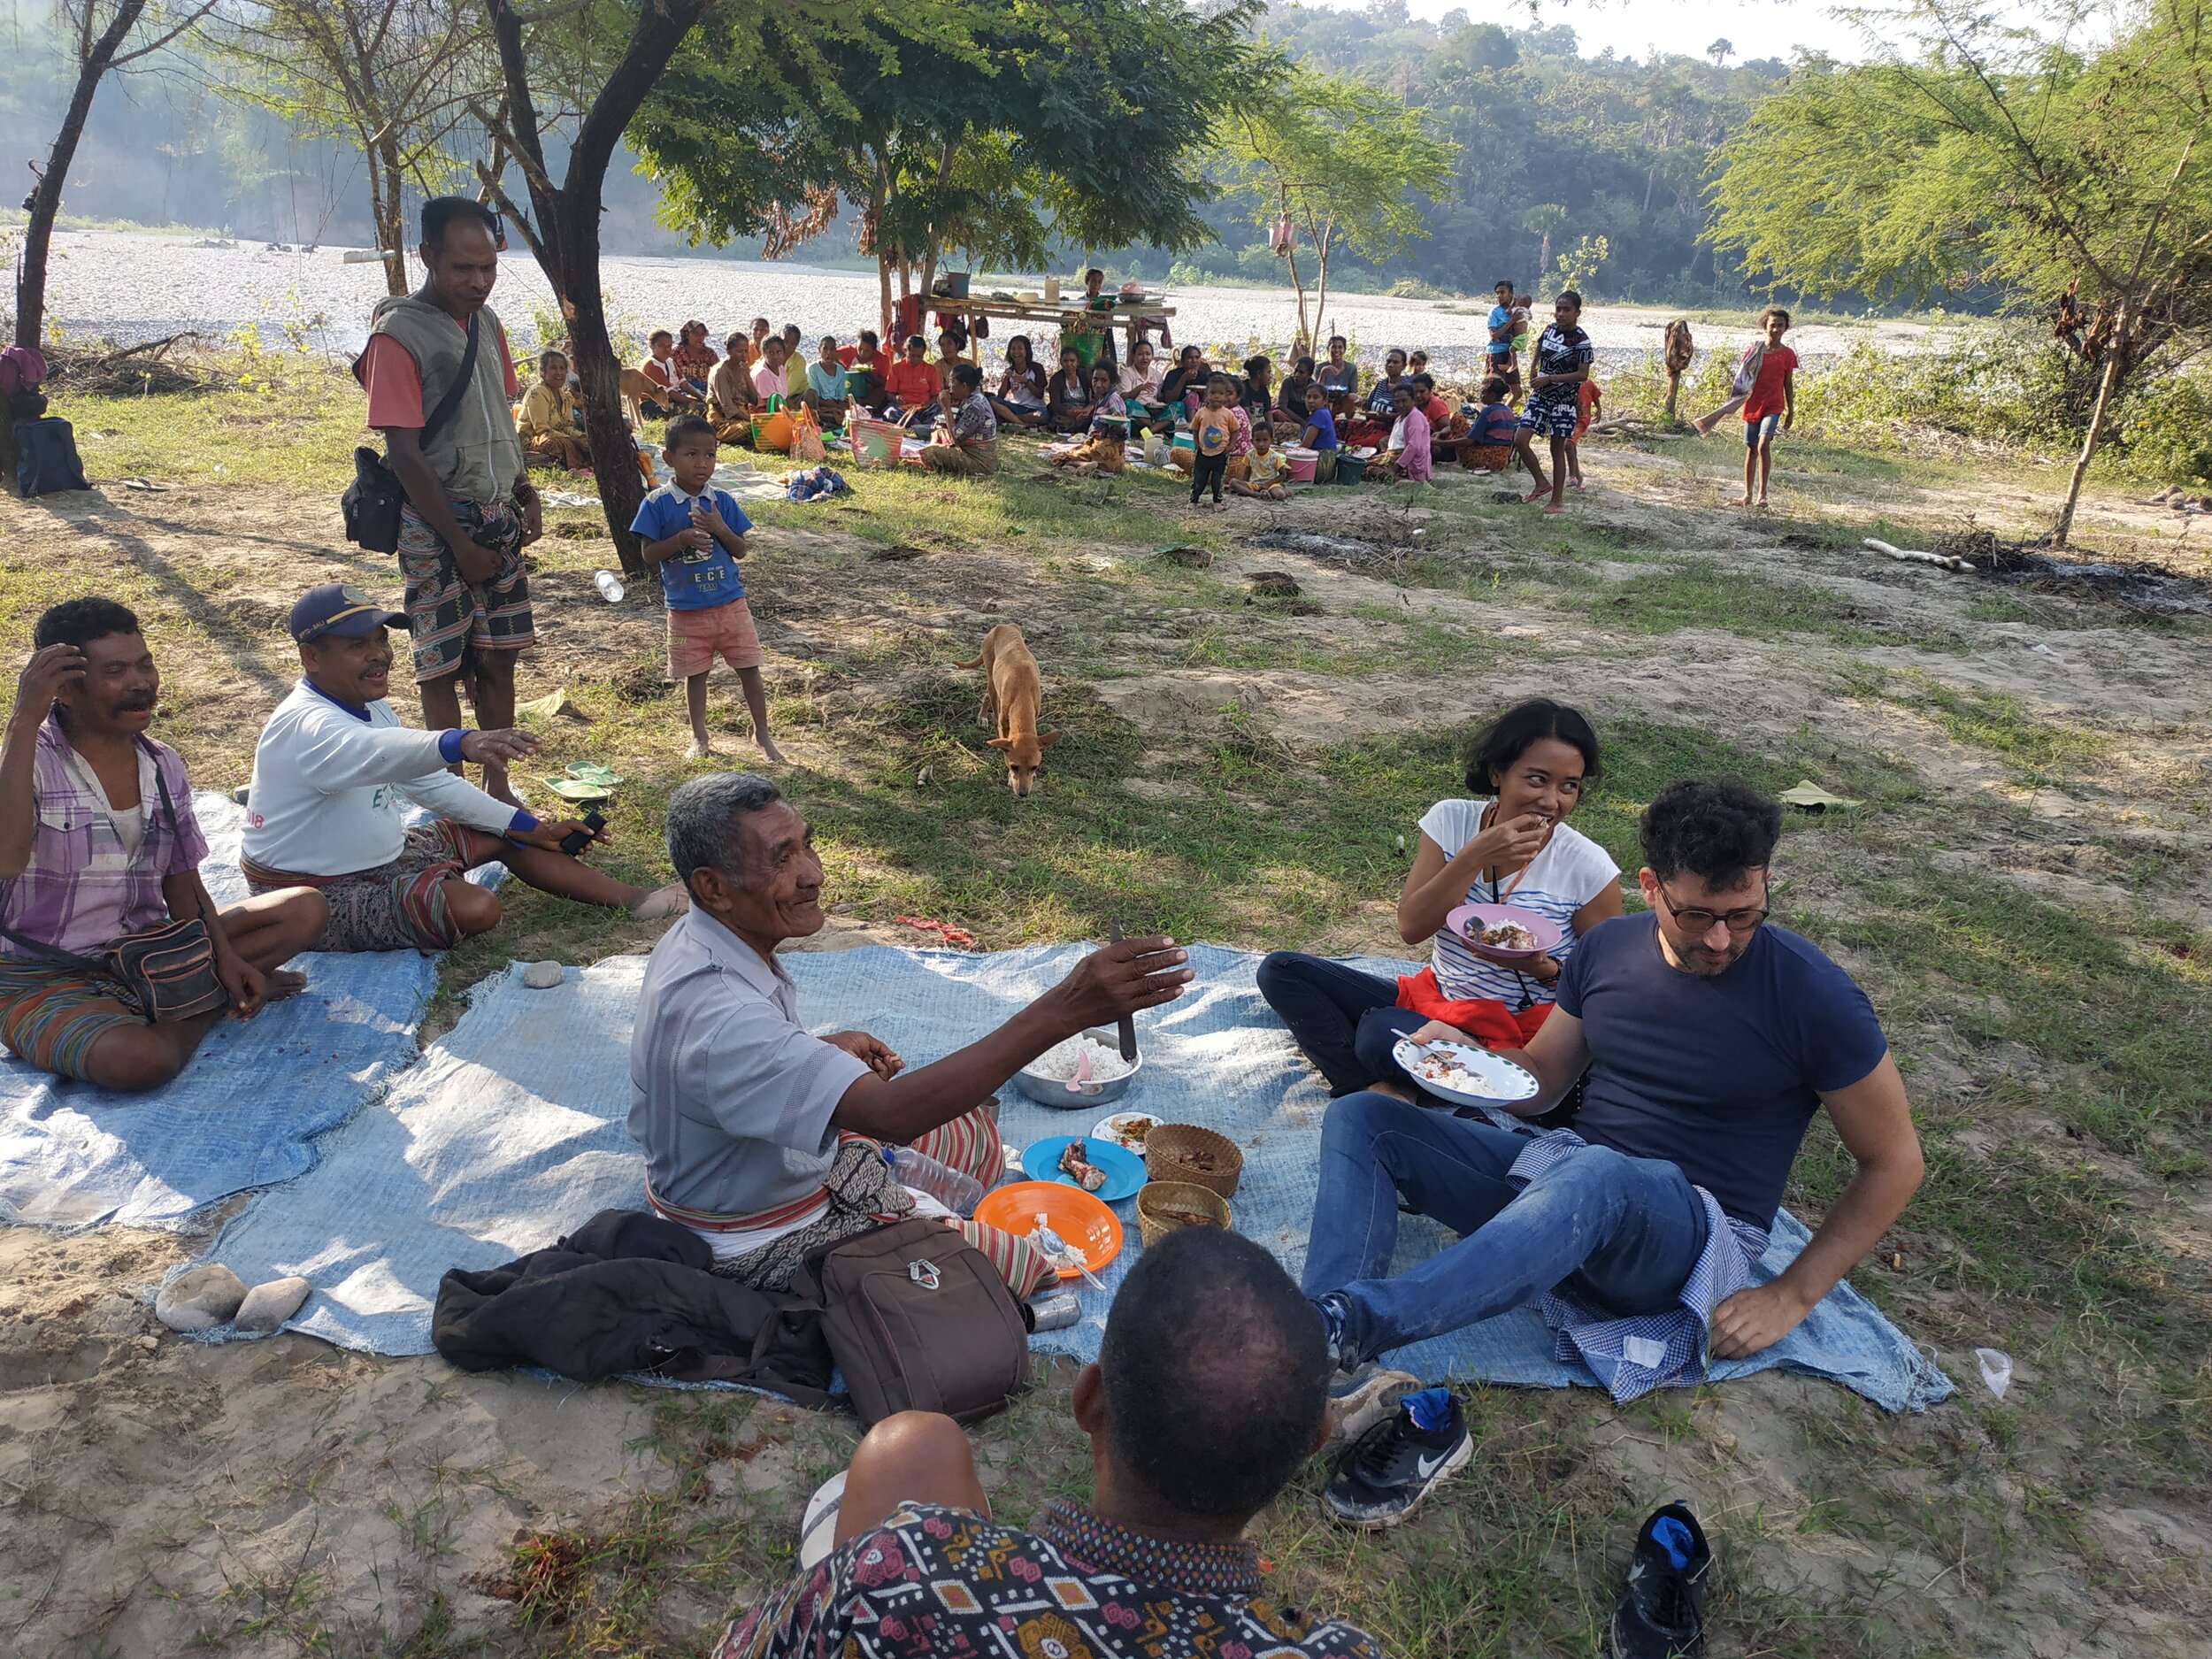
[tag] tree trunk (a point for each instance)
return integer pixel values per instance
(1282, 199)
(1543, 259)
(567, 239)
(45, 203)
(883, 302)
(1321, 287)
(387, 192)
(2114, 372)
(613, 453)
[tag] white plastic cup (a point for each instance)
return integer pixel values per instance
(610, 587)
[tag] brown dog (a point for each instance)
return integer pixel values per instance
(1011, 692)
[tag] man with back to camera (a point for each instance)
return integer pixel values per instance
(98, 840)
(1709, 1037)
(1206, 1399)
(470, 508)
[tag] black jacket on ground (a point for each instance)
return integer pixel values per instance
(628, 1292)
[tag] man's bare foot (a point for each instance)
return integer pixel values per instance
(1741, 501)
(1762, 500)
(699, 750)
(672, 899)
(283, 983)
(1554, 506)
(768, 749)
(1574, 483)
(1534, 496)
(497, 786)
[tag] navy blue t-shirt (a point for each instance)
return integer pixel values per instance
(1719, 1075)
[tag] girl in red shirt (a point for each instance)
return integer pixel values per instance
(1773, 403)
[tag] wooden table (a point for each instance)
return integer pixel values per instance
(1059, 316)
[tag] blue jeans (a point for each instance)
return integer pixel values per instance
(1624, 1232)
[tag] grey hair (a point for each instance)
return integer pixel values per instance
(702, 821)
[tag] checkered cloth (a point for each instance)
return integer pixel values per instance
(1666, 1349)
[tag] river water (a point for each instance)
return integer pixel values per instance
(135, 286)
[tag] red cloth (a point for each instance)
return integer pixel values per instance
(395, 384)
(1767, 397)
(1488, 1021)
(1588, 400)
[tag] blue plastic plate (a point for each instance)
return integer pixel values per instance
(1125, 1170)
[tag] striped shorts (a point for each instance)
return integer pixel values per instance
(447, 617)
(398, 906)
(52, 1015)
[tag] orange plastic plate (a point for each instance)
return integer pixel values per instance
(1075, 1215)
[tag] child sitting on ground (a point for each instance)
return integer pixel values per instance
(695, 533)
(1491, 434)
(1265, 469)
(1408, 455)
(1103, 449)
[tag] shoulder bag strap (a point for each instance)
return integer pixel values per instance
(454, 393)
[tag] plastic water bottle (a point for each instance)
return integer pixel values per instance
(610, 587)
(958, 1192)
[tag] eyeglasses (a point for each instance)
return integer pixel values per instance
(1698, 923)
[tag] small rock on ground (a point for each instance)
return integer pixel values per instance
(541, 976)
(200, 1298)
(268, 1306)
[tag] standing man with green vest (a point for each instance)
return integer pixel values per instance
(471, 508)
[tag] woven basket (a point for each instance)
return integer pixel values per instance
(1156, 1199)
(1173, 1153)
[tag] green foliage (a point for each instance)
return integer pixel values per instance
(1287, 144)
(992, 129)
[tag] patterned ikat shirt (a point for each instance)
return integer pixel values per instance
(949, 1584)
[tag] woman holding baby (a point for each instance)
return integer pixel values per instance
(1508, 843)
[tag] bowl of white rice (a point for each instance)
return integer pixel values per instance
(1108, 1077)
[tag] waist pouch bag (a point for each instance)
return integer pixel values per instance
(167, 972)
(372, 501)
(46, 457)
(919, 1320)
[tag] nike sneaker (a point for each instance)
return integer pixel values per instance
(1662, 1612)
(1390, 1469)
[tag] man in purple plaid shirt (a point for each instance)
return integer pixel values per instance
(97, 841)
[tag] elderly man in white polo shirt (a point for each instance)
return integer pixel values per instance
(769, 1142)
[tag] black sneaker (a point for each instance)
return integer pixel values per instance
(1400, 1461)
(1662, 1612)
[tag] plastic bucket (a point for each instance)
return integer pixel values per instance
(1301, 464)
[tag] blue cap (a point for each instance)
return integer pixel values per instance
(341, 608)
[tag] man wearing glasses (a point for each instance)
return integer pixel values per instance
(1706, 1040)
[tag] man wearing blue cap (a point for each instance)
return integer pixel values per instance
(334, 774)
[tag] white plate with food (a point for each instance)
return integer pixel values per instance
(1464, 1074)
(1125, 1130)
(1503, 933)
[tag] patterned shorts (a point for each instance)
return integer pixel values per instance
(52, 1015)
(1550, 420)
(695, 638)
(398, 906)
(449, 618)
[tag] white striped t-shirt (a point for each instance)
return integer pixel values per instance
(1569, 872)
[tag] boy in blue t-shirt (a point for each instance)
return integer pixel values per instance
(1500, 356)
(695, 533)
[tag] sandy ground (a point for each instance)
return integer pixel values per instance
(281, 1496)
